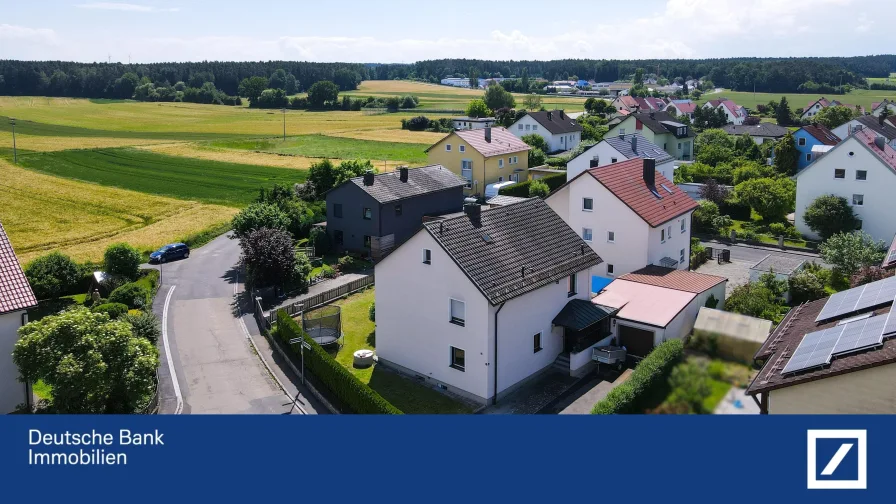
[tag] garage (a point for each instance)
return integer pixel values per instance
(637, 342)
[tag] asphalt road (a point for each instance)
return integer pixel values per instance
(216, 367)
(756, 254)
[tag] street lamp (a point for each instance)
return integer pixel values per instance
(284, 122)
(304, 345)
(15, 157)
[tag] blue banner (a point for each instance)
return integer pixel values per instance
(460, 459)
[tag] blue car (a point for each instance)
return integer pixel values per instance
(170, 252)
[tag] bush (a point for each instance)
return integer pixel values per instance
(144, 324)
(777, 229)
(829, 215)
(690, 386)
(301, 270)
(321, 241)
(522, 189)
(716, 370)
(53, 275)
(121, 259)
(536, 157)
(633, 395)
(538, 189)
(868, 274)
(132, 295)
(418, 123)
(348, 263)
(345, 386)
(371, 312)
(327, 271)
(705, 216)
(805, 286)
(749, 235)
(113, 310)
(536, 141)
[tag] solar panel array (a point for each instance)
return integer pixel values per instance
(890, 327)
(814, 350)
(817, 347)
(861, 334)
(859, 298)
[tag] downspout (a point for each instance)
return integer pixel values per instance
(495, 362)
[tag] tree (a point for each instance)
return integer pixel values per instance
(346, 79)
(300, 273)
(829, 215)
(122, 260)
(756, 300)
(834, 116)
(535, 140)
(638, 79)
(532, 102)
(868, 274)
(714, 136)
(474, 79)
(144, 325)
(705, 216)
(269, 257)
(713, 155)
(270, 98)
(524, 83)
(713, 191)
(325, 176)
(771, 198)
(278, 79)
(690, 386)
(849, 252)
(53, 275)
(782, 112)
(323, 94)
(538, 189)
(125, 85)
(258, 216)
(805, 286)
(786, 155)
(478, 108)
(292, 85)
(252, 87)
(94, 365)
(496, 97)
(746, 148)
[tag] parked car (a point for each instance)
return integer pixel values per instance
(170, 252)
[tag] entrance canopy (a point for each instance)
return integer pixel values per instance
(580, 314)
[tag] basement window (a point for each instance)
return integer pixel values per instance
(536, 342)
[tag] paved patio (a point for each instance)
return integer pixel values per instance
(591, 392)
(533, 396)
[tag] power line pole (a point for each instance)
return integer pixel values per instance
(15, 156)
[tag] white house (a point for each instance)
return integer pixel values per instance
(734, 112)
(472, 122)
(15, 299)
(682, 108)
(470, 303)
(862, 169)
(629, 214)
(878, 107)
(816, 106)
(561, 132)
(874, 124)
(613, 149)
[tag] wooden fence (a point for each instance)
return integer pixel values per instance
(321, 298)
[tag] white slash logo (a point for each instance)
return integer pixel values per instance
(855, 440)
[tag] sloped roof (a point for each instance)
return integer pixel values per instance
(645, 303)
(15, 291)
(890, 258)
(579, 314)
(655, 103)
(629, 101)
(763, 129)
(388, 187)
(873, 123)
(511, 250)
(654, 121)
(502, 200)
(684, 106)
(640, 148)
(887, 155)
(687, 281)
(821, 133)
(556, 121)
(503, 141)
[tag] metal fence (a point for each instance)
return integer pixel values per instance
(313, 301)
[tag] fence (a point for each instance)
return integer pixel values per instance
(152, 407)
(315, 300)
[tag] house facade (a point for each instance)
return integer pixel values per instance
(862, 169)
(461, 123)
(613, 149)
(734, 112)
(873, 124)
(682, 108)
(660, 128)
(468, 304)
(878, 107)
(561, 132)
(482, 157)
(810, 136)
(372, 214)
(16, 298)
(629, 214)
(815, 107)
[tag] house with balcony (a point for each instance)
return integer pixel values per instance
(481, 303)
(560, 132)
(482, 156)
(374, 213)
(16, 297)
(660, 128)
(613, 149)
(462, 123)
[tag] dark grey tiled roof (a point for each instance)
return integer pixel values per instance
(388, 187)
(779, 264)
(558, 123)
(579, 314)
(764, 129)
(873, 123)
(642, 148)
(505, 200)
(493, 249)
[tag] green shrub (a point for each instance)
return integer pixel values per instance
(371, 312)
(133, 295)
(53, 275)
(777, 229)
(345, 386)
(748, 234)
(144, 324)
(327, 271)
(349, 263)
(631, 396)
(538, 189)
(716, 370)
(321, 241)
(690, 386)
(113, 310)
(121, 259)
(522, 189)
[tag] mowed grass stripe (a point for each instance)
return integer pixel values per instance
(216, 182)
(323, 146)
(25, 127)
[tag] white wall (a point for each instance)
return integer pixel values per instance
(879, 204)
(578, 361)
(12, 391)
(847, 128)
(555, 142)
(658, 249)
(606, 153)
(460, 124)
(869, 391)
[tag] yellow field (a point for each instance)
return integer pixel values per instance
(43, 213)
(57, 143)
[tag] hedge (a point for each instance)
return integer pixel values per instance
(650, 373)
(134, 295)
(113, 310)
(345, 386)
(521, 189)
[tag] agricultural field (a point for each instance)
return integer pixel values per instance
(863, 97)
(318, 146)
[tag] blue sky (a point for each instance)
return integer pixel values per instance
(406, 31)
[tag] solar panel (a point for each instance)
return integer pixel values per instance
(861, 334)
(814, 350)
(859, 298)
(892, 256)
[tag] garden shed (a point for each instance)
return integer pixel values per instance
(735, 337)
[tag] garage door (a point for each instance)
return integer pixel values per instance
(638, 342)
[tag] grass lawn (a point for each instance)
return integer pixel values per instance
(719, 389)
(863, 97)
(320, 146)
(406, 395)
(720, 376)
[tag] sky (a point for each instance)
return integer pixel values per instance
(144, 31)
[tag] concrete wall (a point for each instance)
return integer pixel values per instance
(581, 363)
(485, 170)
(12, 391)
(870, 391)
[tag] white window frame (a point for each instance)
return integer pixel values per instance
(447, 147)
(470, 170)
(684, 225)
(520, 126)
(527, 127)
(572, 285)
(861, 179)
(586, 209)
(611, 236)
(801, 142)
(589, 233)
(861, 198)
(462, 148)
(500, 162)
(611, 270)
(681, 256)
(452, 318)
(427, 256)
(839, 178)
(669, 231)
(534, 127)
(662, 235)
(622, 131)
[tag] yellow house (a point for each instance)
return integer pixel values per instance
(482, 156)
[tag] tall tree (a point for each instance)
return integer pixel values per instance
(477, 108)
(849, 252)
(835, 116)
(278, 79)
(786, 155)
(323, 94)
(782, 112)
(524, 80)
(497, 97)
(474, 78)
(829, 215)
(252, 87)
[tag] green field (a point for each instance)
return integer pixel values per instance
(216, 182)
(321, 146)
(25, 127)
(861, 97)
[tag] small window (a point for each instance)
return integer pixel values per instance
(458, 358)
(527, 127)
(861, 175)
(462, 148)
(684, 225)
(622, 131)
(669, 232)
(839, 173)
(662, 236)
(664, 146)
(397, 210)
(427, 256)
(611, 236)
(447, 147)
(367, 241)
(520, 127)
(802, 141)
(458, 312)
(587, 204)
(536, 343)
(337, 210)
(610, 270)
(571, 284)
(500, 179)
(679, 145)
(586, 234)
(509, 159)
(367, 214)
(501, 163)
(534, 127)
(859, 225)
(338, 237)
(612, 160)
(809, 156)
(681, 257)
(858, 199)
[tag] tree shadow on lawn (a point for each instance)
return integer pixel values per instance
(371, 339)
(412, 397)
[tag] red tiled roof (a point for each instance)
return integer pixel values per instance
(731, 106)
(503, 141)
(15, 292)
(687, 281)
(874, 105)
(684, 108)
(628, 101)
(655, 103)
(626, 181)
(887, 155)
(822, 134)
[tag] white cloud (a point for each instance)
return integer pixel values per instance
(126, 7)
(44, 36)
(863, 23)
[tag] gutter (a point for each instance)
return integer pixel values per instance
(496, 353)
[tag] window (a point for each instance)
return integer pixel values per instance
(500, 179)
(861, 175)
(466, 171)
(809, 156)
(858, 199)
(337, 237)
(367, 241)
(571, 284)
(337, 210)
(501, 163)
(611, 236)
(859, 225)
(509, 159)
(612, 160)
(669, 232)
(458, 310)
(684, 225)
(679, 145)
(839, 173)
(427, 256)
(527, 127)
(397, 210)
(519, 127)
(447, 147)
(516, 159)
(802, 141)
(536, 343)
(622, 131)
(681, 257)
(587, 204)
(664, 146)
(534, 127)
(457, 358)
(610, 270)
(367, 214)
(462, 148)
(662, 236)
(586, 234)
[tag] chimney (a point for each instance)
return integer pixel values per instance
(594, 162)
(488, 134)
(550, 116)
(650, 172)
(635, 144)
(880, 119)
(472, 210)
(880, 142)
(368, 178)
(403, 173)
(561, 115)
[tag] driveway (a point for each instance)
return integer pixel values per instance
(216, 367)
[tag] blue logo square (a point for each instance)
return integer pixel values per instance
(825, 451)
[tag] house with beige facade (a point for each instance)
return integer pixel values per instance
(482, 156)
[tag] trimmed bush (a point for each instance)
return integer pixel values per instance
(522, 189)
(143, 324)
(652, 372)
(113, 310)
(53, 275)
(132, 295)
(371, 312)
(346, 387)
(121, 259)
